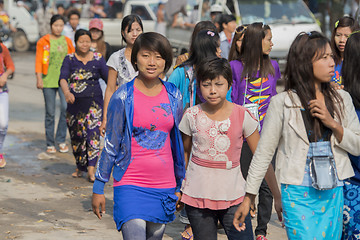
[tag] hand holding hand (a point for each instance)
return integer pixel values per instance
(98, 200)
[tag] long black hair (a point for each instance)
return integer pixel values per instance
(251, 53)
(299, 75)
(350, 69)
(205, 45)
(128, 21)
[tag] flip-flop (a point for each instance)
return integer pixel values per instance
(77, 174)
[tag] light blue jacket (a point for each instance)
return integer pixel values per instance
(182, 82)
(117, 148)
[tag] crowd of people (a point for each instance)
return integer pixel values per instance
(213, 134)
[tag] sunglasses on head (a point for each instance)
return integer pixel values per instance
(241, 29)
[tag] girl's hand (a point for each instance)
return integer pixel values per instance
(241, 213)
(103, 127)
(319, 110)
(98, 200)
(3, 79)
(69, 97)
(179, 204)
(336, 86)
(39, 83)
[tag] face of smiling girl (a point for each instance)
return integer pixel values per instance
(150, 64)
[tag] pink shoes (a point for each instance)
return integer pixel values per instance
(2, 161)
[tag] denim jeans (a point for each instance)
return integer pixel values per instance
(138, 229)
(204, 223)
(4, 117)
(50, 105)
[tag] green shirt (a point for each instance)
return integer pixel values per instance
(58, 51)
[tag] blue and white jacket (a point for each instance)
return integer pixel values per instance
(117, 148)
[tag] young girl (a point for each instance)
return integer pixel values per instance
(313, 126)
(6, 68)
(79, 80)
(351, 76)
(235, 49)
(255, 76)
(97, 38)
(206, 44)
(342, 30)
(143, 145)
(51, 50)
(213, 134)
(120, 68)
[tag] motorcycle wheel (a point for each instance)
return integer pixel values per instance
(20, 41)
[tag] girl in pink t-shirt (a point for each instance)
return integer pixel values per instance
(213, 133)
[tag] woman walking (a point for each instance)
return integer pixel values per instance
(6, 68)
(121, 70)
(79, 80)
(255, 76)
(313, 126)
(143, 145)
(51, 50)
(351, 77)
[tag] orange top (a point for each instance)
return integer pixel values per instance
(42, 53)
(7, 61)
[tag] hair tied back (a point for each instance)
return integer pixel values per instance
(210, 33)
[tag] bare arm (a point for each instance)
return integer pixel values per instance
(243, 209)
(4, 76)
(69, 97)
(187, 142)
(110, 89)
(39, 81)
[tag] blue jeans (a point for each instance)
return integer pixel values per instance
(138, 229)
(204, 223)
(50, 105)
(4, 117)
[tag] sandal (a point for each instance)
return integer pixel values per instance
(2, 161)
(63, 148)
(51, 149)
(77, 174)
(187, 232)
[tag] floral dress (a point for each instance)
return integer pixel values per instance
(84, 116)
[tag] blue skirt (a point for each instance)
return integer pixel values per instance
(155, 205)
(312, 214)
(351, 211)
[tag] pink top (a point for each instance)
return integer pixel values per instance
(151, 163)
(208, 184)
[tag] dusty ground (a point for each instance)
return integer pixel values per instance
(39, 200)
